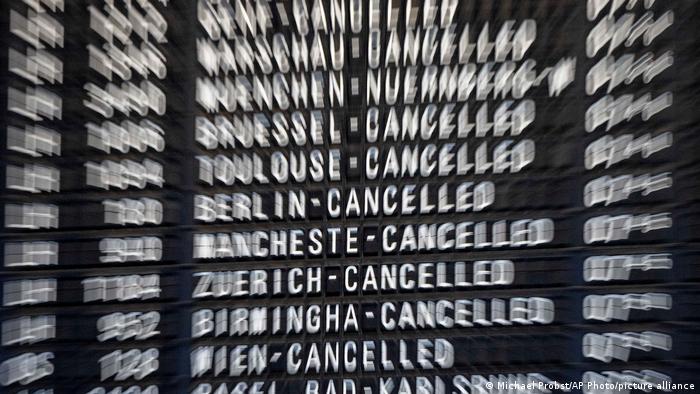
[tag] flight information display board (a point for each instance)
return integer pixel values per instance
(349, 196)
